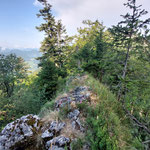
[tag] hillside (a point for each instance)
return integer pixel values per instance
(29, 55)
(92, 90)
(73, 120)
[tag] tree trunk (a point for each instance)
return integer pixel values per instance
(124, 71)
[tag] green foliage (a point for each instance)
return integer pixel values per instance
(48, 79)
(77, 144)
(12, 71)
(99, 135)
(106, 124)
(118, 57)
(54, 45)
(27, 99)
(96, 55)
(54, 51)
(132, 34)
(91, 44)
(82, 106)
(64, 112)
(106, 131)
(49, 28)
(48, 106)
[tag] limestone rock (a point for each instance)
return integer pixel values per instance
(19, 133)
(31, 129)
(47, 135)
(74, 114)
(56, 148)
(56, 127)
(59, 141)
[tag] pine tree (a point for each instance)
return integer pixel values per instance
(61, 50)
(53, 45)
(129, 34)
(48, 45)
(52, 48)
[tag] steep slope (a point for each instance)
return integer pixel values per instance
(84, 116)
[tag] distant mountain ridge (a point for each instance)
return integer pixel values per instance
(28, 54)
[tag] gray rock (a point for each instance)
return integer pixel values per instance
(86, 146)
(1, 147)
(62, 102)
(77, 125)
(19, 132)
(56, 148)
(80, 89)
(74, 114)
(56, 126)
(73, 124)
(59, 141)
(79, 94)
(47, 135)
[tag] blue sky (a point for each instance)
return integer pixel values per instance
(18, 18)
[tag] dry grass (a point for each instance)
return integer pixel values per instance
(68, 131)
(73, 105)
(99, 95)
(61, 95)
(79, 81)
(94, 99)
(51, 116)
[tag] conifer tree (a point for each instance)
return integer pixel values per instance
(52, 48)
(53, 44)
(128, 34)
(48, 45)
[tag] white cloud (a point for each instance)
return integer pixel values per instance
(73, 12)
(36, 3)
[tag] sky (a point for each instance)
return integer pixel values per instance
(18, 18)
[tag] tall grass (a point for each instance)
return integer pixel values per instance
(107, 125)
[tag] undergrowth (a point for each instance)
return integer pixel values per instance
(107, 127)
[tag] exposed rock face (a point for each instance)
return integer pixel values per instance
(74, 114)
(56, 127)
(31, 133)
(79, 95)
(18, 133)
(46, 134)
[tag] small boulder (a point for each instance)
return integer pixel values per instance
(59, 141)
(18, 133)
(56, 127)
(56, 148)
(74, 114)
(47, 135)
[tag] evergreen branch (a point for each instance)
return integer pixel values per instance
(133, 118)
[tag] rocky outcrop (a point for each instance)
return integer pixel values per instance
(78, 95)
(31, 133)
(18, 133)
